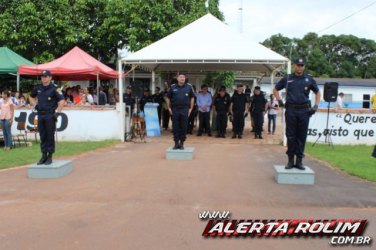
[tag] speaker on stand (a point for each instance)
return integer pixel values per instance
(330, 95)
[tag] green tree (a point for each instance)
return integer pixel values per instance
(45, 29)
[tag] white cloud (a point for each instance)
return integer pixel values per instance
(261, 19)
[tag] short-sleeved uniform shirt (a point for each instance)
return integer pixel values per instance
(180, 96)
(48, 97)
(298, 88)
(258, 103)
(222, 103)
(238, 102)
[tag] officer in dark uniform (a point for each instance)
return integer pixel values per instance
(146, 97)
(180, 102)
(128, 98)
(158, 98)
(166, 116)
(239, 109)
(258, 108)
(222, 104)
(48, 104)
(298, 110)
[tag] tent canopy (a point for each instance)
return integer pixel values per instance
(206, 44)
(10, 61)
(75, 65)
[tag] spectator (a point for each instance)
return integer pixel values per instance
(272, 113)
(102, 97)
(89, 96)
(6, 118)
(204, 102)
(339, 103)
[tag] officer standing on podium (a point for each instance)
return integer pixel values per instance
(298, 110)
(48, 103)
(180, 101)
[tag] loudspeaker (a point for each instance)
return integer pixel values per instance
(330, 91)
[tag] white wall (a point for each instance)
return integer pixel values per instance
(345, 128)
(84, 125)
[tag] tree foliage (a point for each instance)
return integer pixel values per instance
(330, 55)
(45, 29)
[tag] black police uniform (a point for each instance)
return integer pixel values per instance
(180, 97)
(192, 116)
(222, 105)
(145, 99)
(165, 113)
(158, 98)
(238, 108)
(48, 98)
(297, 110)
(257, 109)
(128, 100)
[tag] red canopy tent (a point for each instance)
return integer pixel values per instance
(76, 65)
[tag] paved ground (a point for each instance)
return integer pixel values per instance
(129, 197)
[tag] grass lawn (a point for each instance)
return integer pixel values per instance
(353, 159)
(26, 155)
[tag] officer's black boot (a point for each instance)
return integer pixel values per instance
(181, 146)
(43, 159)
(290, 164)
(49, 159)
(176, 146)
(260, 136)
(299, 163)
(234, 136)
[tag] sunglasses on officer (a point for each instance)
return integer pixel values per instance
(300, 65)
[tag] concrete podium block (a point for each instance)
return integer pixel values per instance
(178, 154)
(294, 176)
(56, 170)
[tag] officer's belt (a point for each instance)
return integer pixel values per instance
(180, 107)
(297, 106)
(45, 112)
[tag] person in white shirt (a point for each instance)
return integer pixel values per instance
(339, 103)
(272, 113)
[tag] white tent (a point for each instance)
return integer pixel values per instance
(206, 44)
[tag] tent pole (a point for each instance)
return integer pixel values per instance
(284, 139)
(121, 103)
(272, 81)
(153, 82)
(97, 88)
(18, 81)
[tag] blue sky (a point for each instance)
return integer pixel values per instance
(263, 18)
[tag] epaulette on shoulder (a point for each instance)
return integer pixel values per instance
(189, 84)
(173, 85)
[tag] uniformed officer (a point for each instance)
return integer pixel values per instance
(222, 107)
(258, 108)
(146, 97)
(180, 102)
(128, 98)
(48, 103)
(238, 109)
(298, 110)
(158, 98)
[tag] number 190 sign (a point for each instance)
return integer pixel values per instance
(32, 116)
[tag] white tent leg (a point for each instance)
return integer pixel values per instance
(121, 104)
(153, 82)
(18, 81)
(284, 139)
